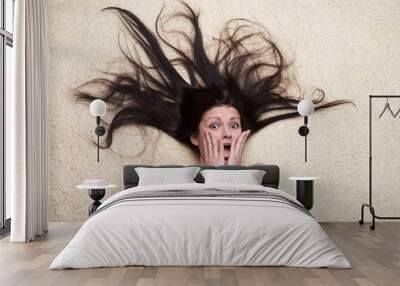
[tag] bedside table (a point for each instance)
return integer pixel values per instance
(304, 190)
(96, 193)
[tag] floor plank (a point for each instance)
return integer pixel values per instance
(375, 257)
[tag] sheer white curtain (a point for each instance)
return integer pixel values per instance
(26, 120)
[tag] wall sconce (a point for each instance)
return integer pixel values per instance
(305, 108)
(98, 108)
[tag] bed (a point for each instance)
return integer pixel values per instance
(198, 224)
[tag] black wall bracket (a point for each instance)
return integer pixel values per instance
(304, 131)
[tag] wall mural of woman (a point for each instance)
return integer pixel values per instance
(212, 103)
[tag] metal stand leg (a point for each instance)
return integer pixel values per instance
(372, 210)
(361, 221)
(373, 214)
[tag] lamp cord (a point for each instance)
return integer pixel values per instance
(98, 137)
(98, 153)
(305, 138)
(305, 146)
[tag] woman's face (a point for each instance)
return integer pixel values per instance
(223, 122)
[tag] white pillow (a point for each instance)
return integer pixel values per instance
(248, 177)
(162, 176)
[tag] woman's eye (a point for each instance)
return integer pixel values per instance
(213, 126)
(235, 125)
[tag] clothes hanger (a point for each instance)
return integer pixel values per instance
(387, 107)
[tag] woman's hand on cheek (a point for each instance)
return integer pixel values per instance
(211, 149)
(236, 151)
(203, 146)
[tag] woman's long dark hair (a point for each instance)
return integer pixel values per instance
(247, 72)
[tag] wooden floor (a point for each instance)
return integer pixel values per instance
(375, 257)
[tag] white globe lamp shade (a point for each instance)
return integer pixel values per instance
(98, 107)
(305, 107)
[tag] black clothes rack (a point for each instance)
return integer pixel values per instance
(371, 208)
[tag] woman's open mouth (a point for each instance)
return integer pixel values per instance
(227, 150)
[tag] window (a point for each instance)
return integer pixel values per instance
(6, 60)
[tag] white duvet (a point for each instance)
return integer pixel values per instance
(200, 231)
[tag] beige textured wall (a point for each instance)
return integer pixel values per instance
(348, 48)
